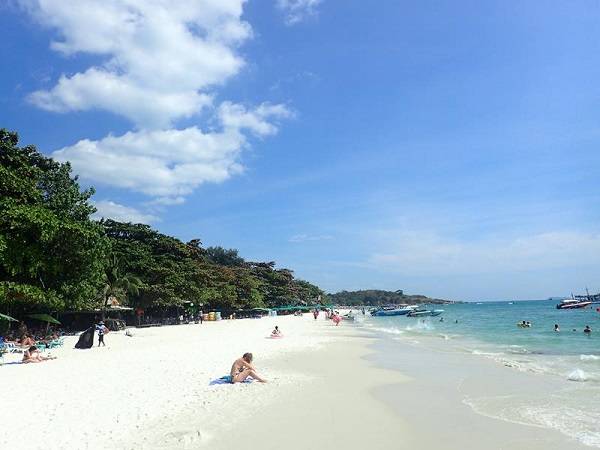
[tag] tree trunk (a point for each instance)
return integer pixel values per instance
(103, 315)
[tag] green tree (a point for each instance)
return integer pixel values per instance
(224, 257)
(51, 253)
(117, 284)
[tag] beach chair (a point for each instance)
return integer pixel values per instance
(41, 346)
(56, 343)
(10, 347)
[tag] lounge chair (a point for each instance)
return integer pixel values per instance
(56, 343)
(9, 347)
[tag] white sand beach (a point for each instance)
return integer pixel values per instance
(152, 391)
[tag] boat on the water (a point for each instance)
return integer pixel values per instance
(425, 312)
(573, 303)
(350, 317)
(579, 301)
(393, 311)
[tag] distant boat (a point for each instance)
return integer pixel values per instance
(573, 303)
(510, 303)
(392, 311)
(479, 303)
(579, 301)
(425, 312)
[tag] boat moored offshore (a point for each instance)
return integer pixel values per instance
(393, 311)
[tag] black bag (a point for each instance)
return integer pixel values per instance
(86, 340)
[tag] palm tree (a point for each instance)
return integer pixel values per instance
(117, 284)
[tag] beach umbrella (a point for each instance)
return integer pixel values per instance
(44, 318)
(5, 317)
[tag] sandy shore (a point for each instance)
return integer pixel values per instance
(152, 391)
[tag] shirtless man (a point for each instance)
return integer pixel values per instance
(242, 368)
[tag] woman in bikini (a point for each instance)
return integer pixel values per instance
(242, 368)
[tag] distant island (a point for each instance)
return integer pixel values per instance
(376, 297)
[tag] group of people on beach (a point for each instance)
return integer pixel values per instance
(24, 337)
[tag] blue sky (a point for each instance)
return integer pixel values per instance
(446, 148)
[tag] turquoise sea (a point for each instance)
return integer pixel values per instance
(489, 330)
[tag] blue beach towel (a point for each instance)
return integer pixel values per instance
(227, 380)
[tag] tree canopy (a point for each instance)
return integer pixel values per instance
(51, 253)
(55, 257)
(375, 297)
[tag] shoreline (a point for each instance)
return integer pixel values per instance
(327, 387)
(459, 400)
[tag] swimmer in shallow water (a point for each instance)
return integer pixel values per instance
(587, 329)
(556, 328)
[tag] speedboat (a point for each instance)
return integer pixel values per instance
(393, 311)
(425, 312)
(573, 303)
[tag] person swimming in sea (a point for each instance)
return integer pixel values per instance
(556, 328)
(587, 329)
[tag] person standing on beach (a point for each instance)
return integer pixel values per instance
(242, 368)
(102, 330)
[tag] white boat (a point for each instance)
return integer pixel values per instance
(573, 303)
(425, 313)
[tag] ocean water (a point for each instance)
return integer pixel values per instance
(489, 330)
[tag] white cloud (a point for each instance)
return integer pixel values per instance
(110, 210)
(420, 253)
(310, 237)
(159, 61)
(169, 164)
(159, 57)
(297, 10)
(104, 90)
(161, 163)
(234, 117)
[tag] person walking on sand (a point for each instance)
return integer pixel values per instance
(242, 368)
(102, 330)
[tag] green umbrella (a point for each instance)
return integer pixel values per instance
(44, 318)
(5, 317)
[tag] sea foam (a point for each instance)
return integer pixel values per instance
(577, 375)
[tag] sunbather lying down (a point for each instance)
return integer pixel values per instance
(33, 355)
(242, 368)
